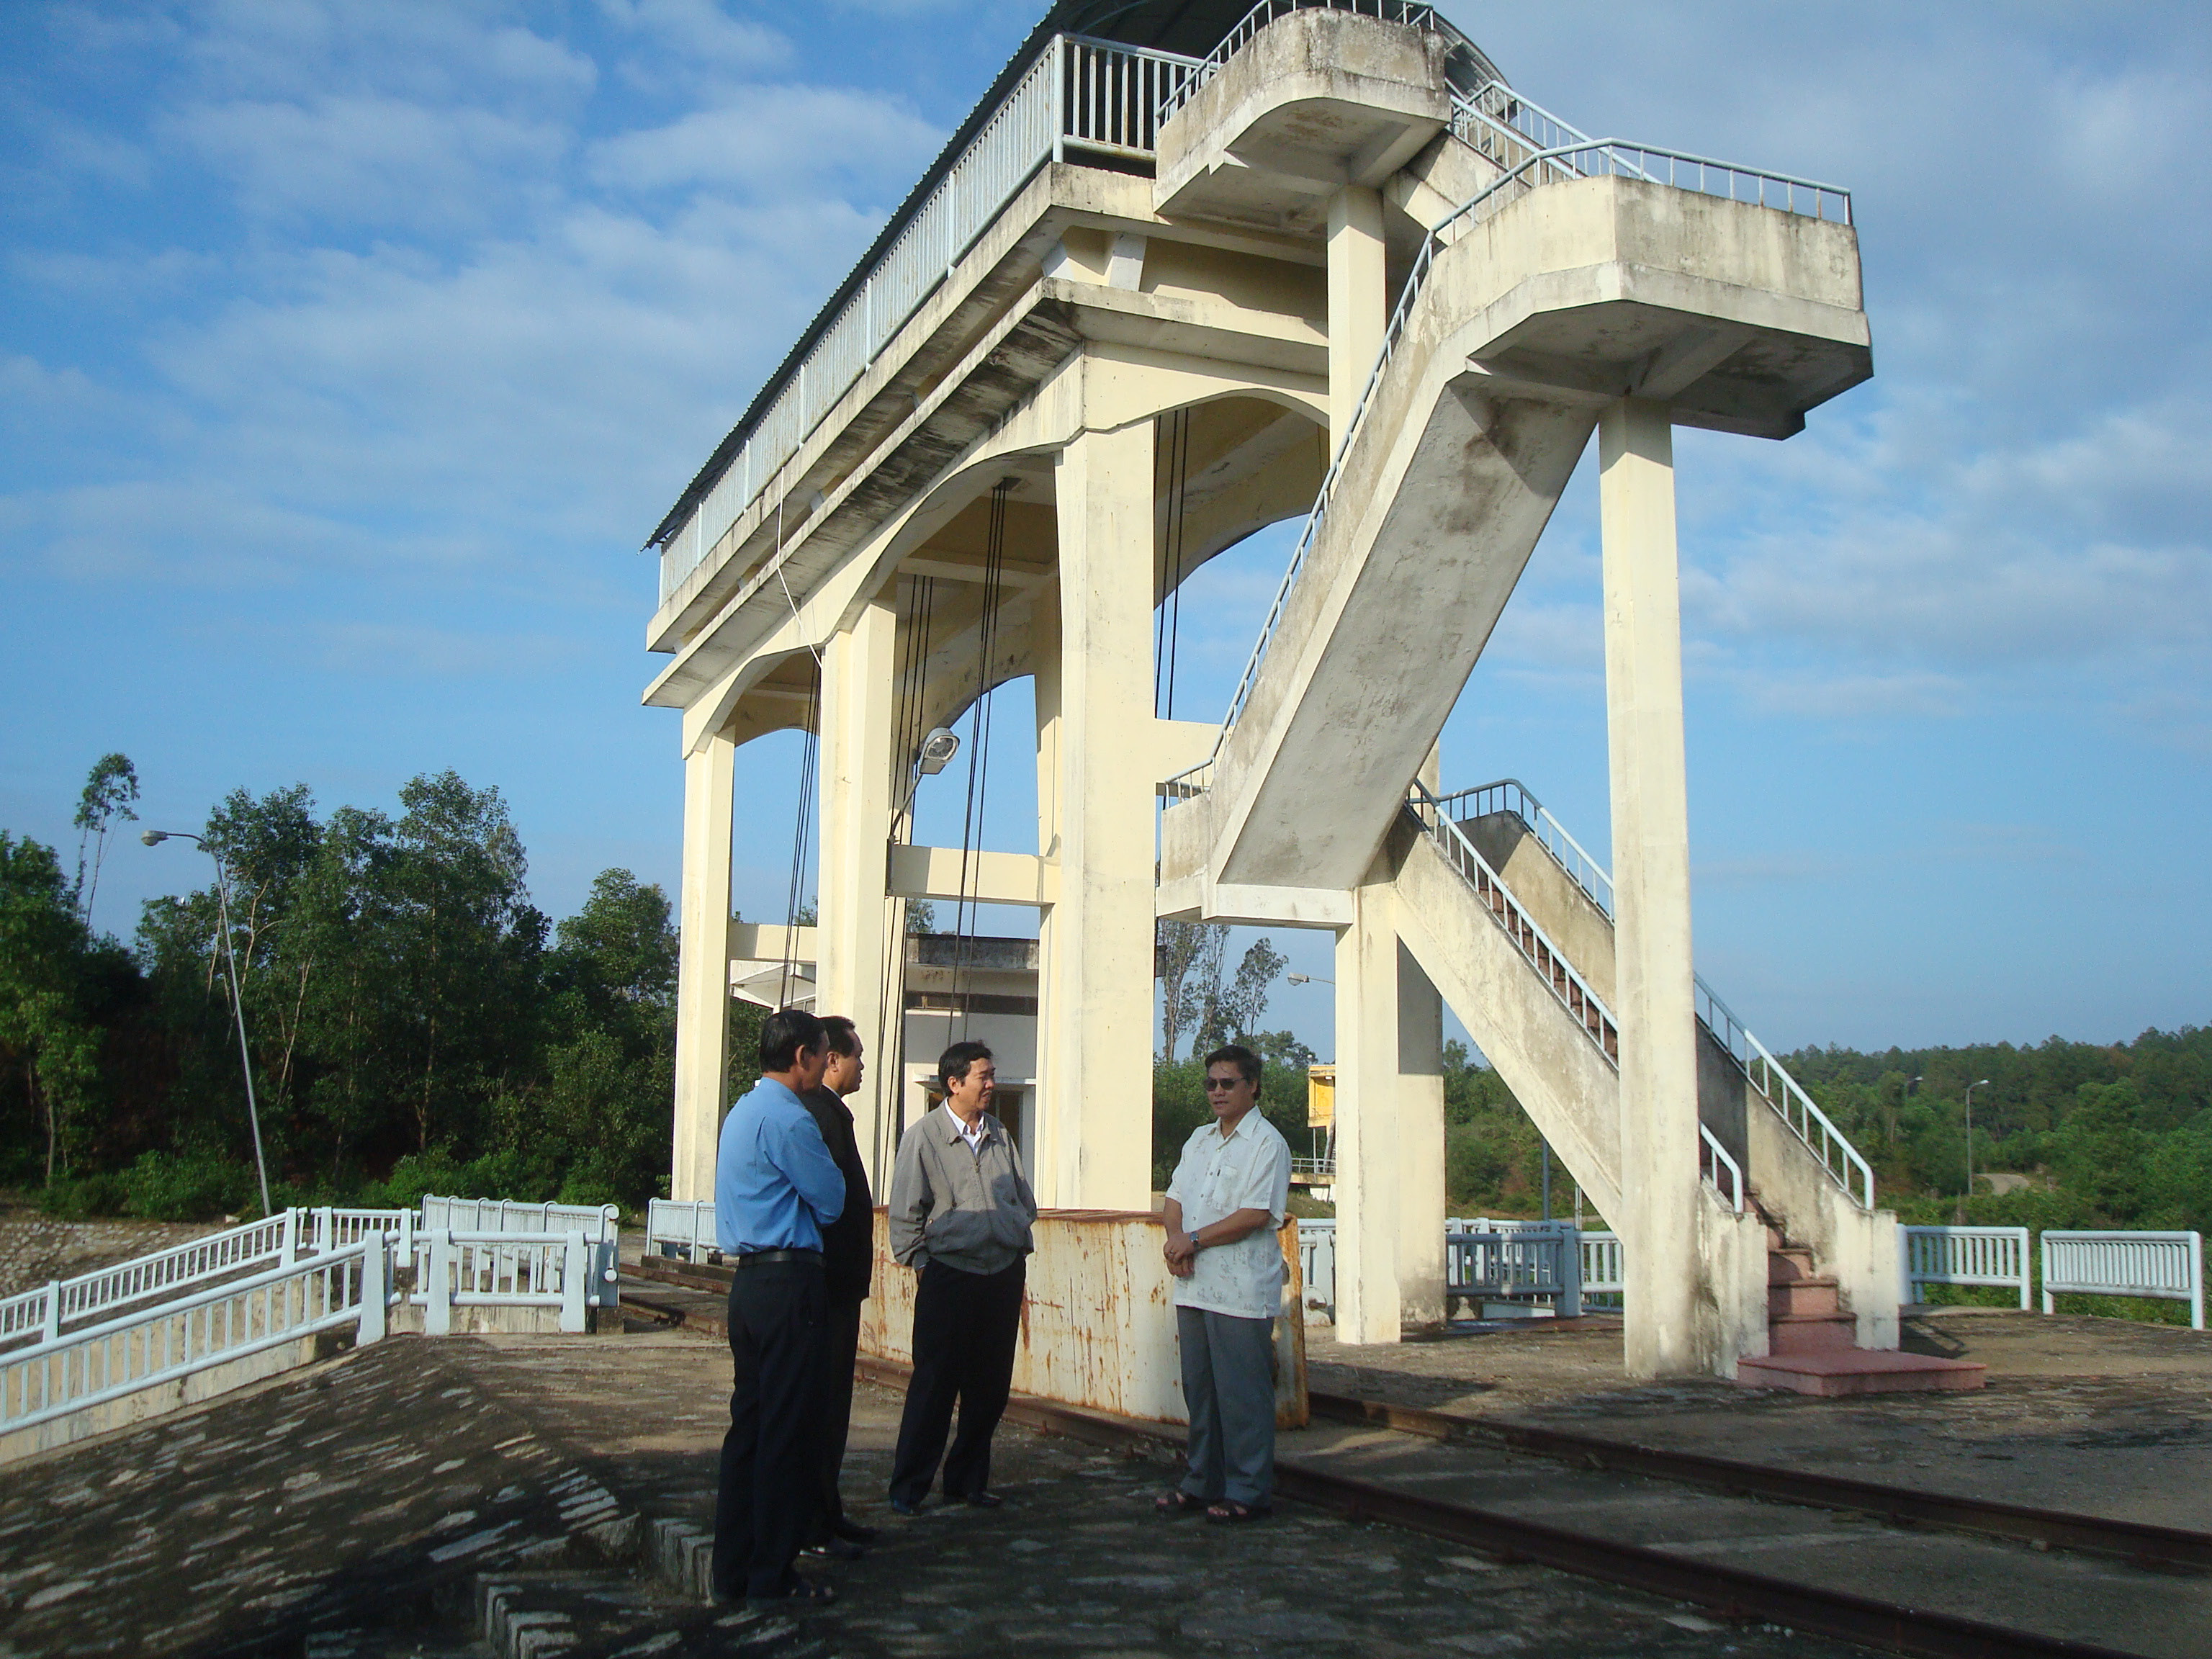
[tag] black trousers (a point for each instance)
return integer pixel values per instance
(769, 1490)
(965, 1326)
(840, 1353)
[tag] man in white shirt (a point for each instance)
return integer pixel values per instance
(1224, 1207)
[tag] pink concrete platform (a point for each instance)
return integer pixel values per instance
(1858, 1371)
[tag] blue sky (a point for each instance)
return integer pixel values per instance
(349, 348)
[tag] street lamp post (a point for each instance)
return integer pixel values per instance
(155, 838)
(1979, 1082)
(1305, 979)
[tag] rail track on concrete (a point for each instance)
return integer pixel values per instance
(1800, 1603)
(2144, 1545)
(1599, 1507)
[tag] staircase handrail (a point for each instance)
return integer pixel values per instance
(1605, 157)
(1551, 963)
(1585, 871)
(1717, 1154)
(213, 1325)
(1408, 12)
(1498, 106)
(1766, 1073)
(1781, 1091)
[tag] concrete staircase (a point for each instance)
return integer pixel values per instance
(1812, 1337)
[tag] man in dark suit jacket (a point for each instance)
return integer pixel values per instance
(848, 1250)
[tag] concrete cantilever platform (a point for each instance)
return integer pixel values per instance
(1318, 101)
(1576, 295)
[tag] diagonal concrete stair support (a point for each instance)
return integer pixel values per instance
(1855, 1247)
(1527, 325)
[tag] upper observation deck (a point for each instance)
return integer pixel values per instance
(952, 315)
(1152, 178)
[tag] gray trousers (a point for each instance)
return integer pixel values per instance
(1229, 1383)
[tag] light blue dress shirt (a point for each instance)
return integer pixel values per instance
(775, 1185)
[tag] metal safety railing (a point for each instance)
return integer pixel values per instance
(42, 1316)
(1079, 95)
(597, 1222)
(1489, 1260)
(1578, 159)
(1535, 946)
(456, 1268)
(1513, 1261)
(1767, 1074)
(1389, 11)
(1604, 1269)
(682, 1227)
(1994, 1256)
(2167, 1267)
(1714, 1165)
(186, 1335)
(1511, 795)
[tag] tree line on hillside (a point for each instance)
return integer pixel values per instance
(415, 1023)
(2106, 1134)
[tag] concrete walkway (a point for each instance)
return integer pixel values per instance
(2101, 1416)
(402, 1499)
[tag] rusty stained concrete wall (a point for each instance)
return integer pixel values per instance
(1098, 1324)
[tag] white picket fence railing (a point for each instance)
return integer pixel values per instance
(460, 1268)
(2169, 1266)
(1605, 1280)
(212, 1325)
(38, 1317)
(683, 1227)
(1997, 1257)
(597, 1222)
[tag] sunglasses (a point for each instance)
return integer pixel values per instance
(1213, 1083)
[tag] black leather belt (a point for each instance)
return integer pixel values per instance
(762, 1258)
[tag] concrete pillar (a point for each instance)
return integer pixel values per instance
(1369, 1107)
(1095, 1122)
(854, 973)
(1655, 994)
(702, 981)
(1420, 1146)
(1359, 299)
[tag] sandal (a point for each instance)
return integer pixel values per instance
(1229, 1512)
(1177, 1501)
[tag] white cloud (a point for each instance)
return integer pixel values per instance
(778, 139)
(370, 160)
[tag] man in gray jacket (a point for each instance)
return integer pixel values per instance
(960, 1215)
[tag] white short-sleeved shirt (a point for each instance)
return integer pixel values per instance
(1219, 1175)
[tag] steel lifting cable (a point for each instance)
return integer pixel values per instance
(979, 748)
(1171, 444)
(810, 759)
(891, 995)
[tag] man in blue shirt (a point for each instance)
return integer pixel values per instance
(775, 1187)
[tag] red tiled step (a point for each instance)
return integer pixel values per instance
(1858, 1371)
(1810, 1332)
(1817, 1296)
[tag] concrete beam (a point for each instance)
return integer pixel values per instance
(943, 873)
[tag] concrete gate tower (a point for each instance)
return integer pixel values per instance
(1188, 271)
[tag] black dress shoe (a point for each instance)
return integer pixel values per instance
(982, 1500)
(797, 1595)
(905, 1506)
(832, 1549)
(852, 1531)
